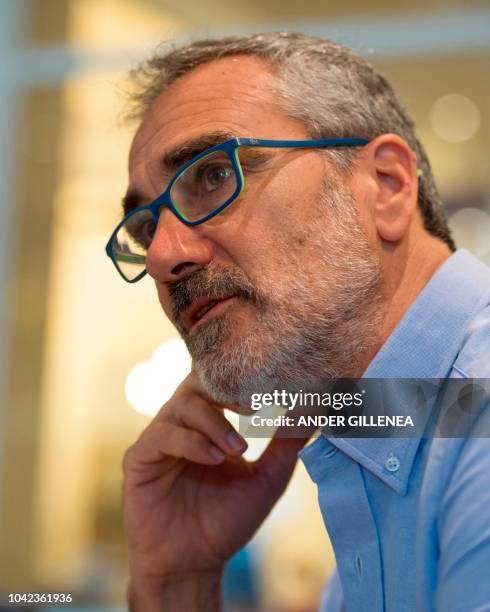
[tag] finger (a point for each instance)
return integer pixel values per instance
(193, 384)
(166, 440)
(205, 418)
(277, 462)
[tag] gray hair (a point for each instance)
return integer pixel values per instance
(327, 86)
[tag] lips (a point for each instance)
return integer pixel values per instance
(192, 315)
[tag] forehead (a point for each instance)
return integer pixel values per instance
(233, 94)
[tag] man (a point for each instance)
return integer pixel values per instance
(324, 257)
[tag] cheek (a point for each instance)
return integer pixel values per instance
(277, 240)
(295, 196)
(278, 217)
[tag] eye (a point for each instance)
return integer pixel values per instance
(147, 232)
(213, 176)
(141, 228)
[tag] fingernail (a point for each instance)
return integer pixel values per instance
(216, 453)
(235, 442)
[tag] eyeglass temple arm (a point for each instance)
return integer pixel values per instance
(328, 142)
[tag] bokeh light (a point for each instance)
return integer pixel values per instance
(151, 383)
(455, 118)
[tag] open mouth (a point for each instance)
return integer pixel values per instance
(206, 308)
(203, 309)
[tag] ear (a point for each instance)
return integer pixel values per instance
(393, 167)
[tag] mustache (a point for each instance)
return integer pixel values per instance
(214, 283)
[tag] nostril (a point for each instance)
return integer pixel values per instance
(184, 267)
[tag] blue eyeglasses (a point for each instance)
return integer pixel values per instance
(200, 190)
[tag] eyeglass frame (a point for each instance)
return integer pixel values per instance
(230, 147)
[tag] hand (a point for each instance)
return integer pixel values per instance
(190, 499)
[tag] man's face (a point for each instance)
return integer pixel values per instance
(292, 282)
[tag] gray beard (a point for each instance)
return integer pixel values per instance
(313, 327)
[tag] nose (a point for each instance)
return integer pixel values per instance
(177, 250)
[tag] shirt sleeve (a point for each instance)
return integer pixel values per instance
(463, 576)
(332, 598)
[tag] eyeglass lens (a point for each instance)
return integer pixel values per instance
(199, 190)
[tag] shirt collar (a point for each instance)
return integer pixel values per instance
(424, 344)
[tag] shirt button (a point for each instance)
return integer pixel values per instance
(392, 464)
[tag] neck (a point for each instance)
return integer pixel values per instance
(406, 271)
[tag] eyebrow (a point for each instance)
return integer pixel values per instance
(175, 159)
(179, 155)
(132, 200)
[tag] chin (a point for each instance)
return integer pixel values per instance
(233, 370)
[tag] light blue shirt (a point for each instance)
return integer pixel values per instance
(409, 518)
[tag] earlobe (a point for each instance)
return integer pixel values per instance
(392, 230)
(395, 175)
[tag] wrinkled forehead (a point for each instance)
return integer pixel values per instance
(234, 95)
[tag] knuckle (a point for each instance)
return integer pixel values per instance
(127, 458)
(164, 410)
(187, 409)
(199, 442)
(174, 407)
(158, 428)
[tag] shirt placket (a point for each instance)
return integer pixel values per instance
(350, 524)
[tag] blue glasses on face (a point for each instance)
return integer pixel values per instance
(200, 190)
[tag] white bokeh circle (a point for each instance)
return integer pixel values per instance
(151, 383)
(455, 118)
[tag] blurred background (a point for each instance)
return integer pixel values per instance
(79, 347)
